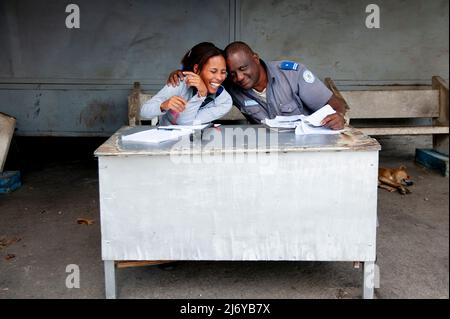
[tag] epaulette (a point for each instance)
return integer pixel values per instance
(289, 65)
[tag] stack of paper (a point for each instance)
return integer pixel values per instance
(305, 129)
(156, 136)
(316, 118)
(185, 127)
(284, 121)
(304, 124)
(312, 124)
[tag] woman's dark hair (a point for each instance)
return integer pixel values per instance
(199, 54)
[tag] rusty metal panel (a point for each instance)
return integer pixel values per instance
(69, 111)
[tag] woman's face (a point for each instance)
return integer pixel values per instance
(213, 73)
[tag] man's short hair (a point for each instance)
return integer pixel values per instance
(237, 46)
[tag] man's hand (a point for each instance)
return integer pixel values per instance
(193, 79)
(176, 103)
(175, 77)
(334, 121)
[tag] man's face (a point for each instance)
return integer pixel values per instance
(243, 69)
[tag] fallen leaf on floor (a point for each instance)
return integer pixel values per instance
(5, 242)
(10, 256)
(341, 293)
(85, 221)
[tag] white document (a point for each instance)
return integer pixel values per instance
(281, 124)
(185, 127)
(295, 120)
(156, 136)
(317, 117)
(291, 118)
(305, 129)
(283, 121)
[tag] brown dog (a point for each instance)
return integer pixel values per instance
(394, 179)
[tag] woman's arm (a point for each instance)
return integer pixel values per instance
(214, 110)
(167, 98)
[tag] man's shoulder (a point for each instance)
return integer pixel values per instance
(286, 66)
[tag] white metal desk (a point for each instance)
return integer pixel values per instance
(251, 194)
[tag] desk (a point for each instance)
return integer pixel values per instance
(240, 193)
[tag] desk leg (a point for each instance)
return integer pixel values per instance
(110, 279)
(369, 279)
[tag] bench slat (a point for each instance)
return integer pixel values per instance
(392, 104)
(410, 130)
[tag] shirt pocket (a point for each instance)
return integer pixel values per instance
(290, 108)
(252, 109)
(255, 112)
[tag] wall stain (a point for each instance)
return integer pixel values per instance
(98, 114)
(37, 108)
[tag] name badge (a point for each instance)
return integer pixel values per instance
(250, 102)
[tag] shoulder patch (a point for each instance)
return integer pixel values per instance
(308, 76)
(289, 65)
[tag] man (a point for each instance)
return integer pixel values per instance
(264, 90)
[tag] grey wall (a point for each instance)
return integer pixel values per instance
(331, 37)
(57, 81)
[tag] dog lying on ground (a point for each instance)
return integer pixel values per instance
(394, 179)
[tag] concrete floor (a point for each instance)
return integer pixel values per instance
(412, 247)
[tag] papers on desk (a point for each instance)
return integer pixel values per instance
(163, 133)
(156, 136)
(317, 117)
(283, 121)
(305, 129)
(302, 124)
(186, 127)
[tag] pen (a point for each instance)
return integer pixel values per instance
(168, 129)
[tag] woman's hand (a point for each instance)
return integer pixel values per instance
(176, 103)
(195, 80)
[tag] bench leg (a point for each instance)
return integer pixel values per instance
(110, 279)
(369, 279)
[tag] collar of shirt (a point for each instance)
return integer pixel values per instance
(270, 71)
(209, 95)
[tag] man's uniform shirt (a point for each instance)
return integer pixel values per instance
(291, 90)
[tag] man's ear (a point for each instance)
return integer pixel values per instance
(256, 57)
(195, 69)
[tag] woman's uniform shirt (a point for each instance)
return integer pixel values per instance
(198, 110)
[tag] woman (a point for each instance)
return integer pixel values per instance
(200, 98)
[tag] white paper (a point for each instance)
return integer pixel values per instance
(306, 129)
(155, 136)
(280, 124)
(291, 118)
(185, 127)
(304, 125)
(317, 117)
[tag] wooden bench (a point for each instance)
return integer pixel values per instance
(377, 103)
(401, 102)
